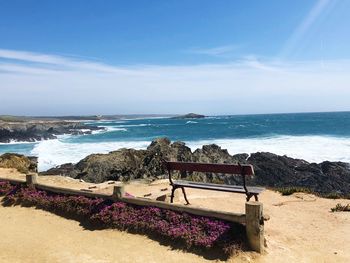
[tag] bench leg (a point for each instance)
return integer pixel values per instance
(251, 195)
(183, 191)
(172, 194)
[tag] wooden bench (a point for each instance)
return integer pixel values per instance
(234, 169)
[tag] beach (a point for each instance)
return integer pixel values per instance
(301, 228)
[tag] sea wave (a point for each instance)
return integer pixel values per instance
(310, 148)
(103, 122)
(55, 152)
(17, 142)
(109, 128)
(134, 125)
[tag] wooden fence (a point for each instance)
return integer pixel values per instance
(252, 219)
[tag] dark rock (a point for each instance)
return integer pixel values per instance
(124, 164)
(36, 131)
(241, 157)
(271, 170)
(212, 154)
(64, 169)
(189, 116)
(274, 170)
(282, 171)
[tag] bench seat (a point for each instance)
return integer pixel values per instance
(218, 187)
(242, 170)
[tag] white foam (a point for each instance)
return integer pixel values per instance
(109, 128)
(136, 125)
(98, 131)
(55, 152)
(310, 148)
(85, 130)
(11, 142)
(188, 122)
(102, 121)
(17, 142)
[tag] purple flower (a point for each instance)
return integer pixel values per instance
(191, 229)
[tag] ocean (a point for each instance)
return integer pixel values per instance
(315, 137)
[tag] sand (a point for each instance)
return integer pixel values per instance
(301, 229)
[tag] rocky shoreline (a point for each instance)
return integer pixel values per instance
(271, 170)
(329, 179)
(32, 131)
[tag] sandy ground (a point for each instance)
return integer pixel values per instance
(301, 229)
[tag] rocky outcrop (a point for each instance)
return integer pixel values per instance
(282, 171)
(36, 131)
(23, 164)
(271, 170)
(124, 164)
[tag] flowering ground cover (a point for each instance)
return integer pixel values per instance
(190, 230)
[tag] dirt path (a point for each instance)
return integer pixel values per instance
(30, 235)
(301, 229)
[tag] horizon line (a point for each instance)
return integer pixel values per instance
(169, 114)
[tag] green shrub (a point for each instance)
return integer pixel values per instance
(292, 190)
(332, 195)
(341, 208)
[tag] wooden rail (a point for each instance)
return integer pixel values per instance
(252, 219)
(228, 216)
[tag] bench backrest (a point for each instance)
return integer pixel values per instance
(236, 169)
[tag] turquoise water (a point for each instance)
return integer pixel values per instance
(311, 136)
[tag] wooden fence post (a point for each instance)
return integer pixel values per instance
(255, 225)
(118, 191)
(31, 179)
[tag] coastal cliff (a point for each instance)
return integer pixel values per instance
(42, 130)
(271, 170)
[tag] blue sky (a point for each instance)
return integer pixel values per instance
(110, 57)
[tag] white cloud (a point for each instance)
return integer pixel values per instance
(214, 51)
(32, 83)
(55, 63)
(32, 57)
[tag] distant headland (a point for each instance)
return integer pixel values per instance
(190, 116)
